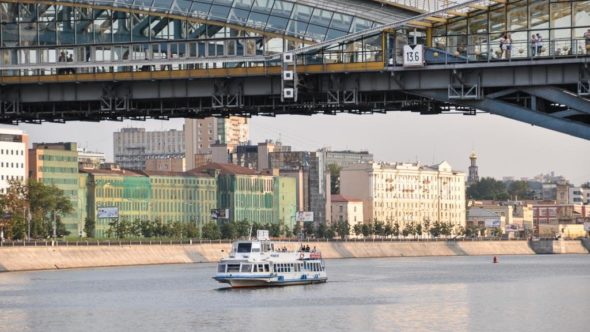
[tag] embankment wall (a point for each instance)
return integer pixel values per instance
(65, 257)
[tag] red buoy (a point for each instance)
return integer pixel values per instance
(495, 260)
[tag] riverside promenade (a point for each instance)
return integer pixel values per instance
(44, 256)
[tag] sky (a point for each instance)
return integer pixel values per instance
(504, 147)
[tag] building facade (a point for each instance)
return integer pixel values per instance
(166, 165)
(407, 192)
(133, 146)
(14, 157)
(200, 134)
(346, 209)
(57, 164)
(285, 189)
(347, 157)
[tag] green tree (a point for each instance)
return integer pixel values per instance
(211, 231)
(358, 229)
(396, 229)
(488, 188)
(410, 228)
(334, 178)
(435, 230)
(243, 228)
(320, 231)
(379, 228)
(343, 229)
(388, 231)
(228, 230)
(426, 228)
(308, 228)
(520, 189)
(419, 229)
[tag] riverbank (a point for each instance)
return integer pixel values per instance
(67, 257)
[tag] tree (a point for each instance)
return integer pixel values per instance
(435, 230)
(426, 227)
(419, 229)
(308, 228)
(358, 229)
(410, 228)
(488, 188)
(334, 178)
(343, 229)
(228, 230)
(520, 189)
(396, 229)
(243, 228)
(388, 229)
(89, 227)
(211, 231)
(379, 228)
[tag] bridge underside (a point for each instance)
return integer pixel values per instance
(545, 95)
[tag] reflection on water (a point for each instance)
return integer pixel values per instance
(435, 294)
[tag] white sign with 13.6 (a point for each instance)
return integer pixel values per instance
(413, 56)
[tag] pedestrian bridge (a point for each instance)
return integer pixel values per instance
(111, 60)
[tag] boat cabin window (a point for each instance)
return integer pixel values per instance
(244, 247)
(233, 268)
(246, 267)
(266, 268)
(221, 268)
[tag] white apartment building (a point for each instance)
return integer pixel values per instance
(14, 163)
(200, 134)
(133, 146)
(407, 192)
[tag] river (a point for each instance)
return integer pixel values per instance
(520, 293)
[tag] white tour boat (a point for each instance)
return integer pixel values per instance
(256, 263)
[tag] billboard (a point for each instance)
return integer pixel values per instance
(108, 212)
(304, 216)
(512, 228)
(492, 223)
(219, 213)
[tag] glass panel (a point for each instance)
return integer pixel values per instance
(560, 42)
(200, 9)
(297, 28)
(498, 20)
(341, 22)
(316, 32)
(219, 12)
(239, 16)
(28, 34)
(561, 15)
(478, 24)
(243, 4)
(517, 16)
(282, 8)
(263, 6)
(321, 17)
(440, 30)
(178, 6)
(360, 24)
(539, 15)
(277, 23)
(458, 27)
(258, 20)
(582, 13)
(334, 34)
(301, 13)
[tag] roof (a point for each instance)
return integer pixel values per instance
(121, 172)
(179, 174)
(477, 212)
(225, 169)
(341, 198)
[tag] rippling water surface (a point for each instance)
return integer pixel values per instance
(521, 293)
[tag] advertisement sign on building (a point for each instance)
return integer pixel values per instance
(492, 223)
(108, 212)
(220, 213)
(304, 216)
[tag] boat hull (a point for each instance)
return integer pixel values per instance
(268, 282)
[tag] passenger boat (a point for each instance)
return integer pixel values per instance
(257, 263)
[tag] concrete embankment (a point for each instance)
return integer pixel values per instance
(65, 257)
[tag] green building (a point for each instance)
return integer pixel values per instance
(285, 194)
(57, 164)
(127, 192)
(182, 197)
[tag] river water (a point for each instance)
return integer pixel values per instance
(521, 293)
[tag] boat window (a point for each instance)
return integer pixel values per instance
(255, 268)
(275, 268)
(233, 268)
(255, 249)
(221, 268)
(246, 267)
(244, 247)
(266, 268)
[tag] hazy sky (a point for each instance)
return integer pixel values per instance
(504, 147)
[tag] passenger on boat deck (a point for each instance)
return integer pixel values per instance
(307, 248)
(313, 249)
(302, 248)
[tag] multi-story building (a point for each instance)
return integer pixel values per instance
(133, 146)
(314, 180)
(14, 158)
(181, 196)
(166, 165)
(285, 202)
(57, 164)
(245, 193)
(346, 157)
(200, 134)
(548, 219)
(578, 195)
(407, 192)
(90, 158)
(346, 209)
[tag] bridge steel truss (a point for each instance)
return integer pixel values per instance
(546, 92)
(549, 94)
